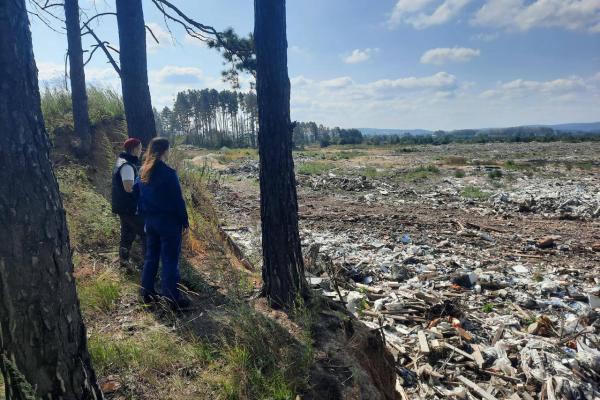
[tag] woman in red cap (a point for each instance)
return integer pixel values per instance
(124, 200)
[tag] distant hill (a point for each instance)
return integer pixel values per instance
(578, 127)
(571, 127)
(399, 132)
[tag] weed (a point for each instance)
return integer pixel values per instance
(455, 160)
(314, 168)
(421, 173)
(370, 172)
(495, 174)
(474, 193)
(89, 216)
(585, 165)
(403, 150)
(235, 155)
(56, 104)
(101, 292)
(459, 173)
(488, 308)
(537, 277)
(346, 155)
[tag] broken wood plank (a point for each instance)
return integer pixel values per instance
(423, 344)
(459, 351)
(476, 388)
(520, 311)
(498, 334)
(477, 355)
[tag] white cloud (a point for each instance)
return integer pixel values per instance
(164, 38)
(443, 55)
(423, 14)
(49, 71)
(486, 37)
(176, 75)
(358, 55)
(52, 73)
(561, 87)
(523, 15)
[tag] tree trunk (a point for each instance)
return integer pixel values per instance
(134, 70)
(283, 266)
(42, 336)
(79, 99)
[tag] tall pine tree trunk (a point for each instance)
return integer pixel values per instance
(283, 266)
(42, 336)
(134, 70)
(79, 99)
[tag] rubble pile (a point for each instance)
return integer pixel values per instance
(331, 181)
(554, 199)
(461, 327)
(249, 168)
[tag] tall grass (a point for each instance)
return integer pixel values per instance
(103, 103)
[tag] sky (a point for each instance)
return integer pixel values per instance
(430, 64)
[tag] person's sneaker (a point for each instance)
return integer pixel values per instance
(181, 304)
(150, 298)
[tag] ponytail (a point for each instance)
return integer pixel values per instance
(156, 149)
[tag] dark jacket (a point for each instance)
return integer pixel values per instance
(161, 199)
(121, 201)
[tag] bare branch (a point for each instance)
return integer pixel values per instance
(104, 46)
(152, 33)
(94, 48)
(86, 23)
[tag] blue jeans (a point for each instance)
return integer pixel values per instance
(163, 242)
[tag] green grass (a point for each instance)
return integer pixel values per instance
(89, 217)
(235, 155)
(455, 160)
(421, 173)
(404, 150)
(314, 168)
(103, 103)
(370, 172)
(153, 349)
(474, 193)
(346, 155)
(488, 308)
(101, 292)
(495, 174)
(459, 173)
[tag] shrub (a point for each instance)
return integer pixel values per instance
(495, 174)
(459, 173)
(314, 168)
(474, 193)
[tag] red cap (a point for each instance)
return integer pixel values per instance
(131, 144)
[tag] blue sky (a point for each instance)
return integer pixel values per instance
(433, 64)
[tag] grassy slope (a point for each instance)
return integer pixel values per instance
(225, 349)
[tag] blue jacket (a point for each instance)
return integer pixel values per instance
(161, 198)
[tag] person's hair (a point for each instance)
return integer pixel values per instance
(157, 147)
(131, 143)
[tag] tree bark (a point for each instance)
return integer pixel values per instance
(283, 266)
(134, 70)
(42, 336)
(79, 98)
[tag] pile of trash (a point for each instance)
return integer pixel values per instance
(332, 181)
(250, 168)
(464, 328)
(555, 199)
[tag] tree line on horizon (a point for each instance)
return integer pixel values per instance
(213, 119)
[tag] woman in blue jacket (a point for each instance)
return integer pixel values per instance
(162, 205)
